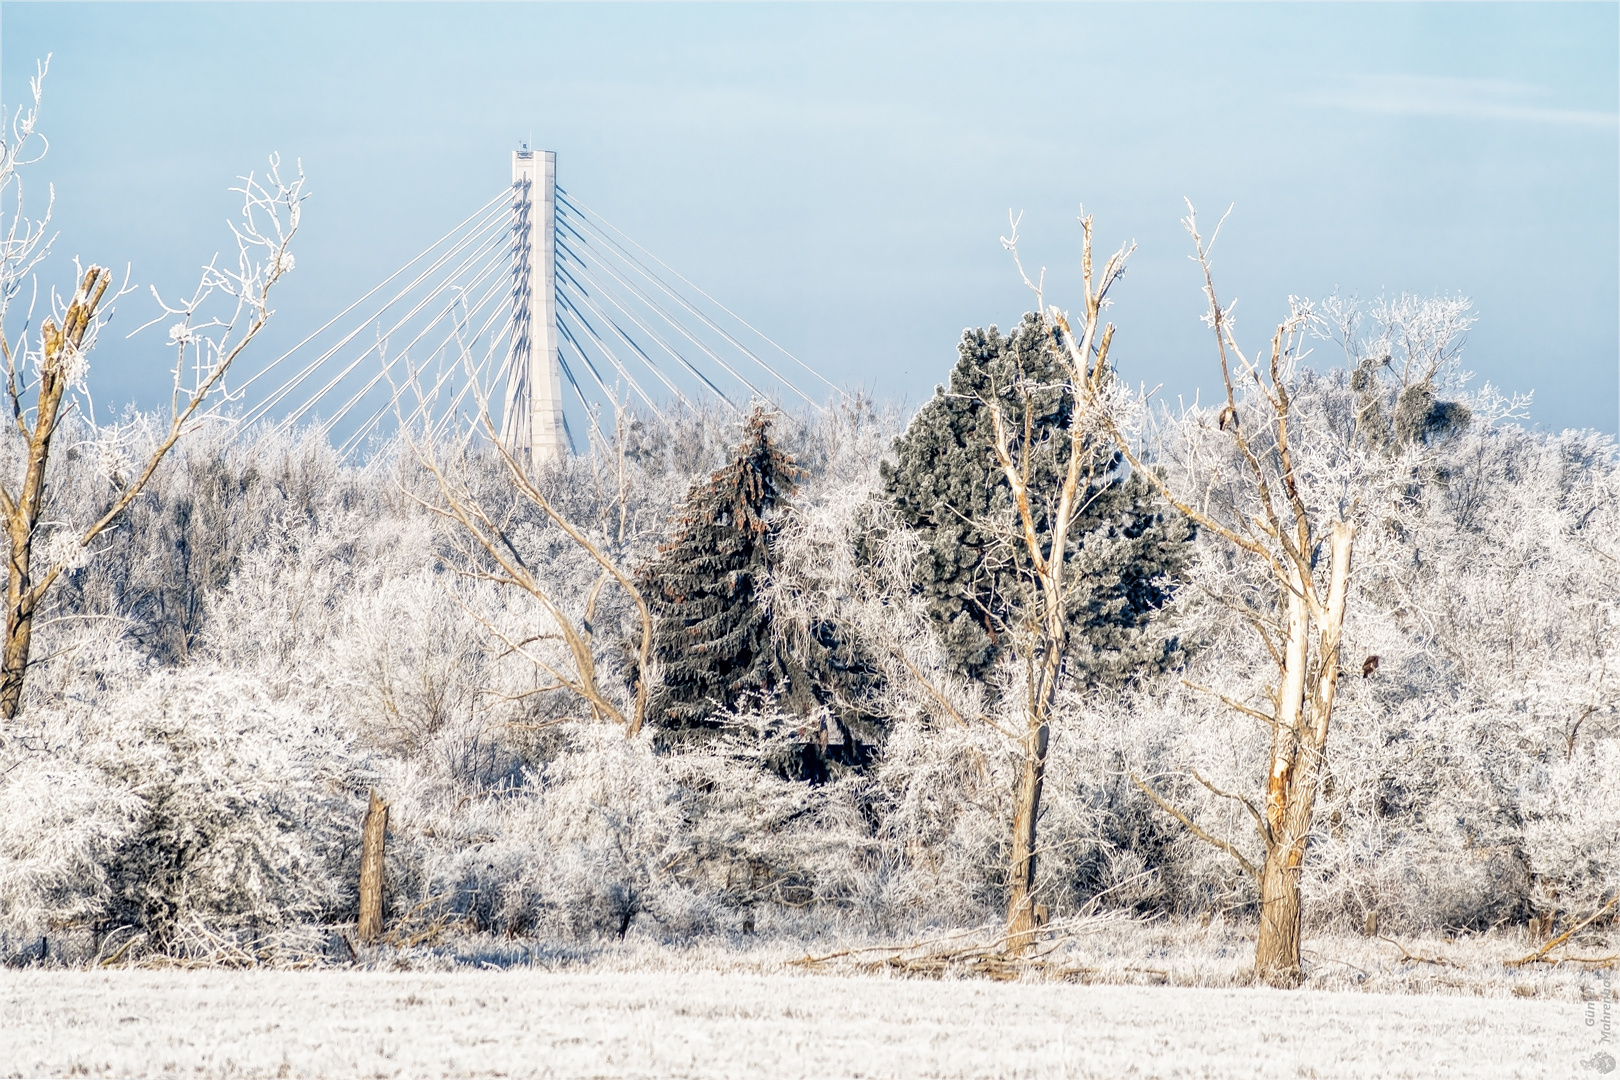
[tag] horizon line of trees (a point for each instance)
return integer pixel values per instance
(821, 736)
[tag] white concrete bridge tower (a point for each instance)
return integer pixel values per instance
(532, 421)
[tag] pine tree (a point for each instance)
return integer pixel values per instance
(946, 485)
(713, 635)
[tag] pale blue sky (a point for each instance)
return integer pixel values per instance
(841, 174)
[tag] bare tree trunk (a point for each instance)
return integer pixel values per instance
(1048, 558)
(22, 598)
(1276, 950)
(371, 869)
(19, 632)
(1021, 908)
(1278, 531)
(1277, 943)
(19, 641)
(1297, 767)
(22, 514)
(1021, 921)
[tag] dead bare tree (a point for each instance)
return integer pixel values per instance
(1265, 517)
(1045, 631)
(45, 376)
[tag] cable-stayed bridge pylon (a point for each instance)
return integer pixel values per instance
(533, 314)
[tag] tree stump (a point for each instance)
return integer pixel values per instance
(371, 869)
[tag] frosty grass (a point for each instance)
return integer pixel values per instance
(711, 1024)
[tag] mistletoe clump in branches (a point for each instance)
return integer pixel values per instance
(948, 488)
(718, 647)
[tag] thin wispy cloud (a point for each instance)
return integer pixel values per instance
(1470, 99)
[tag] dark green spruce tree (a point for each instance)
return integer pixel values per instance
(947, 486)
(713, 636)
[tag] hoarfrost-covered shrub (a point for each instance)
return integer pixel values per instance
(61, 828)
(1572, 831)
(189, 798)
(576, 853)
(421, 662)
(611, 834)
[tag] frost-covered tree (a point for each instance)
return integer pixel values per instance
(45, 373)
(712, 632)
(1254, 498)
(717, 644)
(1286, 498)
(337, 648)
(948, 487)
(1491, 697)
(1398, 372)
(497, 540)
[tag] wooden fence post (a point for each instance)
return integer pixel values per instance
(371, 869)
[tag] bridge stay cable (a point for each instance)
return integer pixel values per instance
(657, 308)
(380, 343)
(568, 335)
(617, 365)
(458, 295)
(450, 414)
(425, 401)
(372, 291)
(384, 337)
(653, 305)
(287, 388)
(579, 205)
(568, 302)
(590, 408)
(446, 373)
(584, 294)
(276, 397)
(658, 338)
(674, 323)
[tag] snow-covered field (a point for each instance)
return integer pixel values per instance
(624, 1024)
